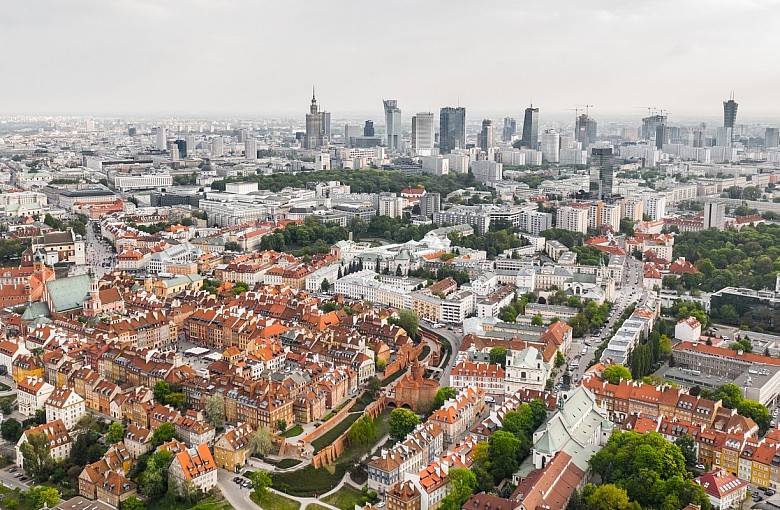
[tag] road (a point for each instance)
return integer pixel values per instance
(454, 339)
(100, 256)
(8, 480)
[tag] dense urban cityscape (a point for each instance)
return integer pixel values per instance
(456, 307)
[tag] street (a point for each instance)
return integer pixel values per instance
(99, 255)
(8, 479)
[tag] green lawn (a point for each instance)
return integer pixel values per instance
(170, 503)
(287, 463)
(272, 501)
(293, 431)
(331, 435)
(4, 387)
(426, 350)
(345, 498)
(315, 506)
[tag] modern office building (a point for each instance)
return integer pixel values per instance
(771, 138)
(190, 139)
(714, 214)
(392, 124)
(217, 146)
(510, 128)
(368, 128)
(162, 138)
(452, 129)
(531, 128)
(551, 146)
(423, 134)
(315, 133)
(182, 145)
(585, 130)
(602, 171)
(486, 136)
(730, 118)
(650, 124)
(325, 116)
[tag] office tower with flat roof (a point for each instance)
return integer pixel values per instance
(531, 128)
(216, 146)
(325, 125)
(730, 118)
(602, 171)
(368, 128)
(430, 203)
(585, 130)
(162, 138)
(250, 149)
(486, 140)
(452, 129)
(771, 137)
(714, 214)
(423, 134)
(510, 128)
(182, 145)
(392, 124)
(190, 139)
(551, 146)
(314, 137)
(650, 124)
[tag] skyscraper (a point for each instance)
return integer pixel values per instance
(349, 133)
(162, 138)
(392, 124)
(452, 129)
(430, 203)
(423, 133)
(325, 125)
(182, 145)
(510, 128)
(585, 130)
(531, 128)
(486, 135)
(551, 145)
(714, 213)
(368, 128)
(216, 146)
(314, 137)
(250, 149)
(602, 171)
(730, 118)
(650, 124)
(190, 139)
(771, 138)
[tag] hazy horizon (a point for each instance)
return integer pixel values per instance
(242, 58)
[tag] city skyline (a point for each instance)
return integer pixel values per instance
(633, 56)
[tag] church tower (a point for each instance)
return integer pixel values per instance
(92, 305)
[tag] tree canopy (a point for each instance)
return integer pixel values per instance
(401, 422)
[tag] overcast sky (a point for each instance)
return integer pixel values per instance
(254, 57)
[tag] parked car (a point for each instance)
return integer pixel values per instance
(770, 492)
(700, 466)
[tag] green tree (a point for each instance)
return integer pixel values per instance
(36, 453)
(503, 451)
(687, 446)
(537, 320)
(560, 359)
(325, 285)
(409, 321)
(362, 431)
(260, 482)
(133, 503)
(161, 391)
(11, 430)
(614, 373)
(261, 443)
(373, 386)
(115, 434)
(215, 410)
(281, 425)
(442, 395)
(758, 412)
(154, 479)
(43, 497)
(232, 246)
(730, 394)
(462, 484)
(401, 422)
(162, 434)
(608, 497)
(498, 356)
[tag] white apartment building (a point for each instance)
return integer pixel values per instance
(436, 165)
(315, 279)
(66, 405)
(60, 442)
(32, 394)
(632, 209)
(487, 171)
(551, 146)
(574, 219)
(390, 205)
(359, 285)
(610, 215)
(457, 307)
(144, 181)
(654, 205)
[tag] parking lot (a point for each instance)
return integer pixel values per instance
(14, 478)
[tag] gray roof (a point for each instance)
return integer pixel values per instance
(35, 310)
(68, 293)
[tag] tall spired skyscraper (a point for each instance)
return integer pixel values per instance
(392, 124)
(531, 128)
(315, 133)
(730, 118)
(452, 129)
